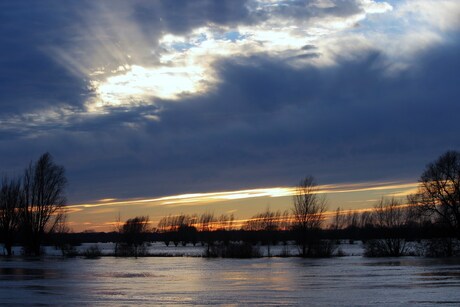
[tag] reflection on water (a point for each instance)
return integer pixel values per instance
(127, 275)
(441, 274)
(14, 273)
(266, 281)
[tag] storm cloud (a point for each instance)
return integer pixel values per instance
(275, 90)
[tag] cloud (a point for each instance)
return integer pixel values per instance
(344, 90)
(201, 199)
(30, 79)
(133, 54)
(244, 203)
(442, 15)
(123, 55)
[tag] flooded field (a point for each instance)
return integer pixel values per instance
(351, 280)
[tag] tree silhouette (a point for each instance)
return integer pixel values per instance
(389, 217)
(44, 200)
(439, 191)
(133, 234)
(308, 212)
(11, 201)
(267, 224)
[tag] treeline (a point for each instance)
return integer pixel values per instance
(385, 230)
(432, 215)
(32, 207)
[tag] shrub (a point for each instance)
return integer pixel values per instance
(385, 248)
(234, 250)
(285, 252)
(441, 247)
(127, 250)
(321, 249)
(69, 250)
(92, 252)
(341, 253)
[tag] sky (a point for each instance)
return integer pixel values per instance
(148, 103)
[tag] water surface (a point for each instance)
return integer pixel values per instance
(266, 281)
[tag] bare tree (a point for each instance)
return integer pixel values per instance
(308, 213)
(286, 222)
(352, 219)
(271, 223)
(11, 201)
(267, 223)
(230, 222)
(439, 191)
(206, 226)
(366, 219)
(338, 221)
(206, 221)
(389, 213)
(179, 228)
(44, 200)
(225, 222)
(133, 234)
(389, 217)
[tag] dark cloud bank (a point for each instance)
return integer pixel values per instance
(266, 124)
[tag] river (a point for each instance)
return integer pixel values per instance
(352, 280)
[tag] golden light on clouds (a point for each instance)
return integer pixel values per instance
(194, 198)
(186, 64)
(244, 203)
(126, 66)
(201, 198)
(136, 85)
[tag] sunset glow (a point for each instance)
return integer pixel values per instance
(254, 200)
(229, 152)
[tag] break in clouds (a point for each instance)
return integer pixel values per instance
(156, 97)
